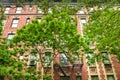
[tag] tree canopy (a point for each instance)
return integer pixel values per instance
(103, 30)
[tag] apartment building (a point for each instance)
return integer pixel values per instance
(18, 16)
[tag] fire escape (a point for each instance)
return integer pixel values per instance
(75, 65)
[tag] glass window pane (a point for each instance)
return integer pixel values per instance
(1, 78)
(94, 78)
(10, 36)
(78, 78)
(15, 21)
(63, 59)
(7, 9)
(110, 77)
(64, 78)
(14, 25)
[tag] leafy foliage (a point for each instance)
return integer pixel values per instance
(103, 30)
(55, 31)
(2, 17)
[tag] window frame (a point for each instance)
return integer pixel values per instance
(18, 10)
(94, 76)
(15, 22)
(113, 77)
(10, 36)
(64, 77)
(7, 9)
(63, 59)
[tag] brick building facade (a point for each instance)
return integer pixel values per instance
(18, 16)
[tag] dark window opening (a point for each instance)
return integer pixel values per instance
(73, 0)
(64, 77)
(94, 77)
(57, 0)
(78, 78)
(1, 77)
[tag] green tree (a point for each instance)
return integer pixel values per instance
(10, 66)
(56, 31)
(2, 17)
(103, 31)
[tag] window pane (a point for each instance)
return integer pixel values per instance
(81, 12)
(10, 36)
(39, 19)
(64, 78)
(15, 21)
(83, 20)
(14, 25)
(39, 10)
(110, 77)
(7, 9)
(1, 78)
(78, 78)
(28, 20)
(63, 59)
(18, 10)
(94, 78)
(32, 60)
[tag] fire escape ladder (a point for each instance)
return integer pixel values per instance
(62, 71)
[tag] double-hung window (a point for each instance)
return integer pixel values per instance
(15, 23)
(63, 59)
(11, 35)
(19, 10)
(7, 9)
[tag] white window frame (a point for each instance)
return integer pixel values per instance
(7, 9)
(83, 20)
(15, 23)
(10, 36)
(81, 12)
(28, 20)
(18, 9)
(39, 11)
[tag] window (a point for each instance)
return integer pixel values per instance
(11, 35)
(74, 0)
(19, 10)
(64, 77)
(110, 77)
(30, 8)
(91, 59)
(47, 58)
(28, 20)
(95, 77)
(32, 60)
(50, 10)
(1, 77)
(83, 20)
(39, 11)
(78, 78)
(63, 59)
(108, 68)
(39, 19)
(91, 9)
(105, 58)
(57, 0)
(15, 23)
(7, 10)
(81, 12)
